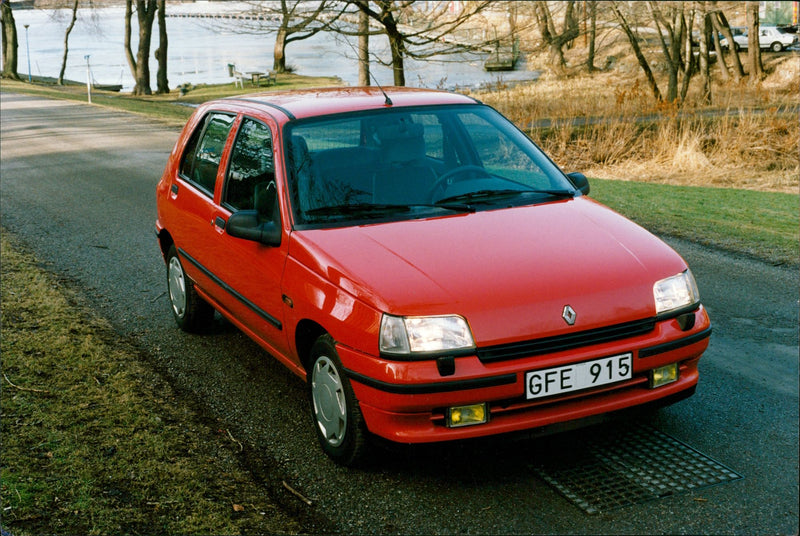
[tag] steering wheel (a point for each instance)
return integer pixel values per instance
(448, 178)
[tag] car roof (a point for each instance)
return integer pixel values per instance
(299, 104)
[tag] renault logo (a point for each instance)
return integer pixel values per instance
(569, 315)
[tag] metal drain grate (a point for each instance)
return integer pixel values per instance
(630, 466)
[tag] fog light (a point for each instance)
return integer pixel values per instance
(663, 375)
(467, 415)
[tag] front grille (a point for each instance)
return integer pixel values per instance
(559, 343)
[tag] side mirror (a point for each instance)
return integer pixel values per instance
(580, 181)
(245, 224)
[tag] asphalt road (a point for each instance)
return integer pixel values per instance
(77, 185)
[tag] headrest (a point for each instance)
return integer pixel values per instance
(401, 142)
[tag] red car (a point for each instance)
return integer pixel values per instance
(422, 264)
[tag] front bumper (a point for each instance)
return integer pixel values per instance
(406, 401)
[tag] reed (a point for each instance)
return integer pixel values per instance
(607, 126)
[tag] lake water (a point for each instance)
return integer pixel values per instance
(200, 50)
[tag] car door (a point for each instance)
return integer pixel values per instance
(249, 272)
(193, 195)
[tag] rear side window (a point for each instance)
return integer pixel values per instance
(204, 151)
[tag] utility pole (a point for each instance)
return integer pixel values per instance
(88, 79)
(28, 52)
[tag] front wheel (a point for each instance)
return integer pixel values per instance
(334, 409)
(776, 47)
(191, 312)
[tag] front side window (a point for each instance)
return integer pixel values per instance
(250, 182)
(408, 163)
(204, 151)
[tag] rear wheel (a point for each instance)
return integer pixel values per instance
(190, 311)
(334, 409)
(776, 47)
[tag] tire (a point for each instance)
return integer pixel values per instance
(776, 47)
(736, 47)
(191, 312)
(335, 413)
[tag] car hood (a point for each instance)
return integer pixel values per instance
(509, 272)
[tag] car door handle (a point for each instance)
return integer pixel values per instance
(219, 222)
(174, 189)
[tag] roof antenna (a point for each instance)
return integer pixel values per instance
(387, 101)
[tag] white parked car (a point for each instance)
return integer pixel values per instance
(769, 37)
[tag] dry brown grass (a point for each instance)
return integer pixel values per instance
(741, 140)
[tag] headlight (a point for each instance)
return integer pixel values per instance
(424, 334)
(675, 292)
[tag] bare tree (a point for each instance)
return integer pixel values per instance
(552, 38)
(676, 45)
(720, 23)
(10, 42)
(291, 21)
(66, 42)
(418, 30)
(637, 51)
(162, 84)
(298, 23)
(140, 65)
(753, 46)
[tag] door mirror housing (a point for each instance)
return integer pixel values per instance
(580, 181)
(246, 224)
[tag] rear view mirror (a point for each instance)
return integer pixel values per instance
(580, 181)
(245, 224)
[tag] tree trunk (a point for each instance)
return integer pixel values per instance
(637, 51)
(398, 51)
(592, 36)
(753, 46)
(10, 43)
(705, 71)
(689, 64)
(127, 45)
(140, 66)
(162, 83)
(724, 71)
(66, 43)
(363, 49)
(279, 53)
(721, 25)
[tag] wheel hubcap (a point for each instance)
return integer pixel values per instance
(177, 287)
(330, 405)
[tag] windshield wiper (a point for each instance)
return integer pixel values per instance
(487, 196)
(379, 209)
(554, 193)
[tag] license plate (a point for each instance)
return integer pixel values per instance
(577, 376)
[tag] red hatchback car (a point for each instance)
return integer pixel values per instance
(422, 264)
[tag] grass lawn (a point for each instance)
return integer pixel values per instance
(764, 225)
(95, 442)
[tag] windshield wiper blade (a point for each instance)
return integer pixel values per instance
(487, 196)
(554, 193)
(479, 196)
(455, 207)
(379, 209)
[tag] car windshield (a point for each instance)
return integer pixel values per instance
(413, 162)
